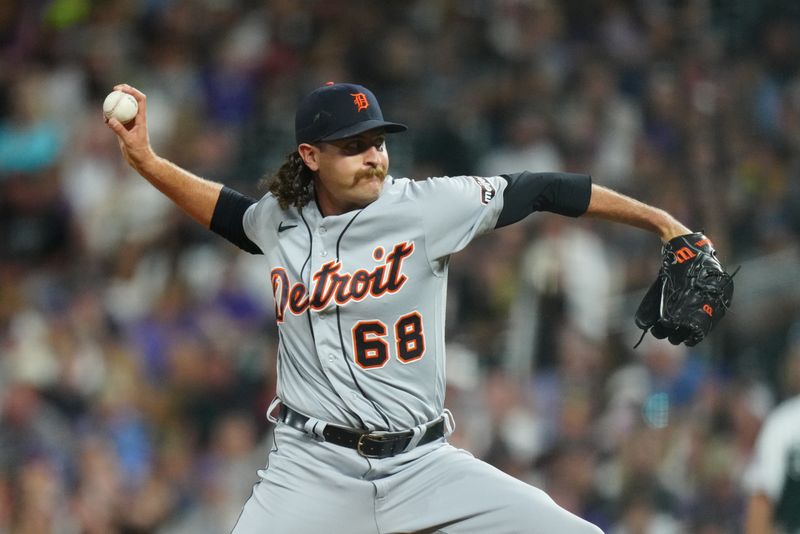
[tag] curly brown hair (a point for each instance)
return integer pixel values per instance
(291, 183)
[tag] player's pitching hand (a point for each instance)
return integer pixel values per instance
(133, 137)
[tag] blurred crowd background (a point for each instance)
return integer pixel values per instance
(137, 350)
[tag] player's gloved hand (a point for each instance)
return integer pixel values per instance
(690, 295)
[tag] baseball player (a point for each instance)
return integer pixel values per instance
(773, 477)
(357, 260)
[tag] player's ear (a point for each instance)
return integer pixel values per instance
(310, 155)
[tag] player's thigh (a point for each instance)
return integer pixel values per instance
(455, 493)
(305, 491)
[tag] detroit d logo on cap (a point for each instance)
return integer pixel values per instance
(360, 100)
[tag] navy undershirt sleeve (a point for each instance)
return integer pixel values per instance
(228, 218)
(557, 192)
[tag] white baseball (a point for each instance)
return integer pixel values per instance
(121, 106)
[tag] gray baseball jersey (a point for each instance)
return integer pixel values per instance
(360, 302)
(360, 297)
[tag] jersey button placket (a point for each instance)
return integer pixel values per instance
(326, 337)
(321, 231)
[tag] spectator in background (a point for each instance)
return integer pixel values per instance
(527, 144)
(34, 219)
(773, 479)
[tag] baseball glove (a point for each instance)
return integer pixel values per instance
(690, 295)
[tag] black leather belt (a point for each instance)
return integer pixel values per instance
(368, 445)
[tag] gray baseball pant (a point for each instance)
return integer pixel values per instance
(311, 487)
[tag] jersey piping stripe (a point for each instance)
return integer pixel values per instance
(308, 229)
(303, 268)
(341, 338)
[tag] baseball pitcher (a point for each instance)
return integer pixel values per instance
(357, 260)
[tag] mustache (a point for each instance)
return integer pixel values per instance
(372, 172)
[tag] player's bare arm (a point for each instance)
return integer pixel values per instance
(692, 291)
(194, 195)
(758, 516)
(612, 206)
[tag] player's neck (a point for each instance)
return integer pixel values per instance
(326, 206)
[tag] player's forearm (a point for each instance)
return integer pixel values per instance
(194, 195)
(612, 206)
(758, 517)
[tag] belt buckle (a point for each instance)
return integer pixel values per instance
(360, 444)
(376, 436)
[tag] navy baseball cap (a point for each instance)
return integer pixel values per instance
(339, 110)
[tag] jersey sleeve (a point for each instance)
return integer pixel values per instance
(228, 219)
(765, 474)
(257, 222)
(456, 209)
